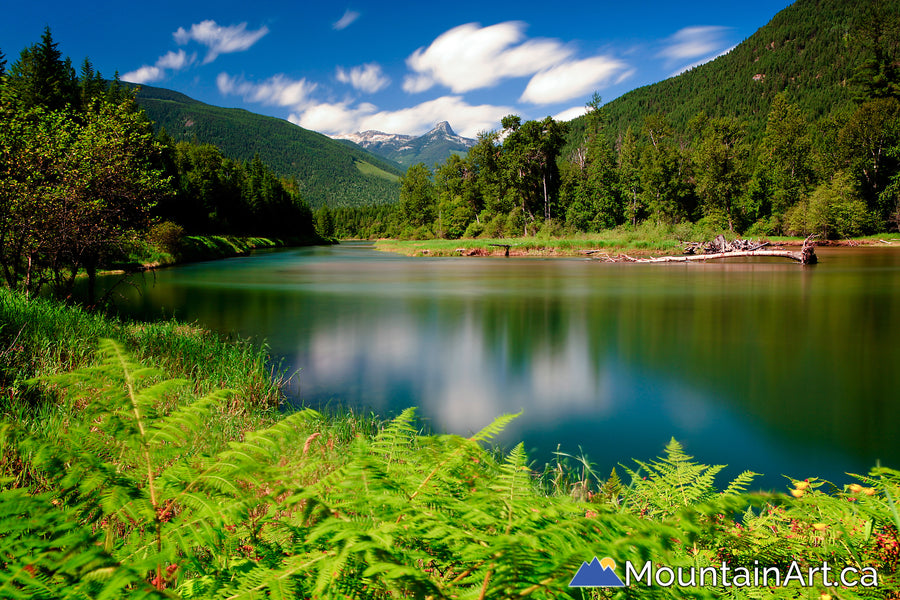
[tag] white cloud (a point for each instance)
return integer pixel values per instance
(367, 78)
(176, 60)
(571, 80)
(145, 74)
(692, 42)
(571, 113)
(172, 60)
(625, 76)
(470, 57)
(278, 90)
(701, 62)
(414, 84)
(220, 40)
(344, 22)
(341, 118)
(332, 118)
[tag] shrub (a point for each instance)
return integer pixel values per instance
(474, 230)
(167, 236)
(834, 210)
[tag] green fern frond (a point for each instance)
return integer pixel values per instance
(396, 436)
(741, 483)
(495, 428)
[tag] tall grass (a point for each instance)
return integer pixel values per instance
(40, 337)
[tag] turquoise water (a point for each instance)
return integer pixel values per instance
(762, 365)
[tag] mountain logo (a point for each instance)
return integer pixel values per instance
(597, 573)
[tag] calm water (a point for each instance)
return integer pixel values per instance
(764, 366)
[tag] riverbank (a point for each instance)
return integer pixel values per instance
(125, 471)
(617, 242)
(145, 255)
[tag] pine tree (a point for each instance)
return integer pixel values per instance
(41, 77)
(785, 161)
(90, 85)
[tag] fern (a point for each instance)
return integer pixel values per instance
(675, 482)
(140, 507)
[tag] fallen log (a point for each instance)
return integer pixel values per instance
(806, 256)
(703, 257)
(506, 246)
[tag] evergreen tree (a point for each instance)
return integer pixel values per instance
(630, 178)
(325, 222)
(869, 142)
(529, 155)
(665, 174)
(91, 86)
(721, 154)
(878, 73)
(417, 203)
(41, 77)
(785, 161)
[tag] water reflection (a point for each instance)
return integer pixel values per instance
(762, 365)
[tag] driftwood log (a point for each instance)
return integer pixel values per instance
(719, 248)
(506, 246)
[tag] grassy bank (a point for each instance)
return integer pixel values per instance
(615, 242)
(125, 472)
(568, 246)
(147, 254)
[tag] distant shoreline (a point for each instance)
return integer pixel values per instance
(585, 246)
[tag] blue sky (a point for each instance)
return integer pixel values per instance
(396, 67)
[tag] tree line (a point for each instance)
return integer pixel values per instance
(835, 174)
(82, 176)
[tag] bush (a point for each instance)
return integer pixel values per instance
(496, 227)
(834, 210)
(763, 227)
(167, 236)
(551, 228)
(474, 230)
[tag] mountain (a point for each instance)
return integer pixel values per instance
(433, 147)
(809, 50)
(327, 170)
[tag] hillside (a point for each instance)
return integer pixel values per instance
(431, 148)
(328, 171)
(809, 50)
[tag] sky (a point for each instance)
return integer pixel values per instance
(398, 67)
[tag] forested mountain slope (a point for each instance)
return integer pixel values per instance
(809, 50)
(327, 171)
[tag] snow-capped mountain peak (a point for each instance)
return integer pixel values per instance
(434, 146)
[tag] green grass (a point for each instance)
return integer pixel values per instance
(644, 240)
(369, 169)
(553, 246)
(40, 337)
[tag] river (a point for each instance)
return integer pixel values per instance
(762, 364)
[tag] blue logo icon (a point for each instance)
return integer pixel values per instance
(597, 573)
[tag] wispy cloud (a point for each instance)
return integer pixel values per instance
(571, 80)
(693, 42)
(145, 74)
(701, 62)
(366, 78)
(571, 113)
(175, 61)
(220, 40)
(471, 57)
(344, 22)
(343, 117)
(277, 90)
